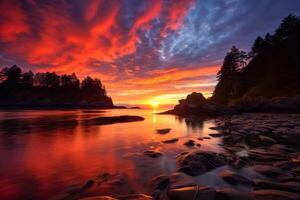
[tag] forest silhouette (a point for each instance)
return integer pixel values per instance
(270, 69)
(18, 88)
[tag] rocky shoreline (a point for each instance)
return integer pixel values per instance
(261, 160)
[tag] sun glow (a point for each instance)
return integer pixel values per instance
(154, 104)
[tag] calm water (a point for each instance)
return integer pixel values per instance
(43, 152)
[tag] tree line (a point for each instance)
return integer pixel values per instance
(17, 87)
(270, 69)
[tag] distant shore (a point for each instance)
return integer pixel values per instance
(59, 106)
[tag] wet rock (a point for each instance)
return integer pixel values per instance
(235, 179)
(152, 153)
(98, 198)
(262, 184)
(161, 182)
(230, 194)
(268, 170)
(193, 193)
(163, 131)
(198, 162)
(239, 163)
(88, 184)
(173, 140)
(113, 120)
(135, 197)
(296, 171)
(274, 195)
(189, 143)
(216, 134)
(267, 140)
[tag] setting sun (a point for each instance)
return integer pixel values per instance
(154, 104)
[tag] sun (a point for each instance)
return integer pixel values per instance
(154, 104)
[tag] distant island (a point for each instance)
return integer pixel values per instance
(267, 79)
(48, 89)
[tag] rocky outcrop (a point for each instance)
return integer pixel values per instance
(196, 104)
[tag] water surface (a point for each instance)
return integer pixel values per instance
(43, 152)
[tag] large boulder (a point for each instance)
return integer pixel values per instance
(198, 162)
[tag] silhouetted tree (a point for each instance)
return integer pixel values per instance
(70, 81)
(12, 76)
(228, 76)
(288, 29)
(51, 80)
(27, 79)
(39, 79)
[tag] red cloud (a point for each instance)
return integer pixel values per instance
(12, 21)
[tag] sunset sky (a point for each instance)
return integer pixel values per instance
(142, 50)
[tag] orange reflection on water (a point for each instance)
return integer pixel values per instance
(45, 152)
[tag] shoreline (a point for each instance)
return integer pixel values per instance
(57, 106)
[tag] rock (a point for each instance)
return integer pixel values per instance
(98, 198)
(239, 163)
(230, 194)
(192, 193)
(267, 140)
(235, 179)
(170, 140)
(88, 184)
(113, 120)
(198, 162)
(267, 170)
(262, 184)
(216, 134)
(274, 195)
(163, 131)
(161, 182)
(135, 197)
(296, 171)
(152, 154)
(189, 143)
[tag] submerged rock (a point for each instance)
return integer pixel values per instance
(113, 120)
(198, 162)
(216, 134)
(163, 131)
(152, 153)
(171, 140)
(189, 143)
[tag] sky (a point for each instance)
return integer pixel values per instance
(142, 50)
